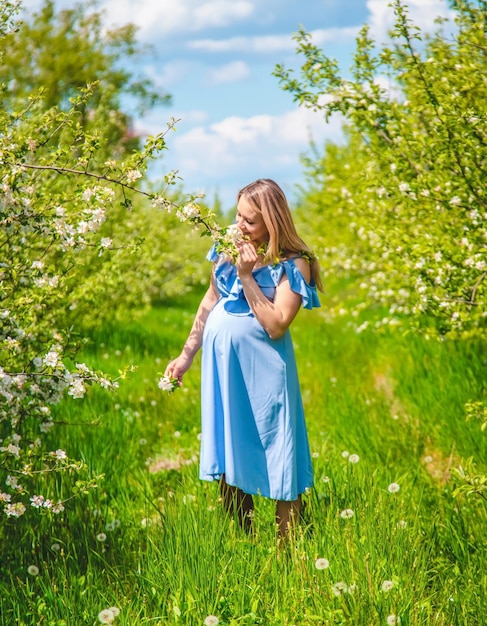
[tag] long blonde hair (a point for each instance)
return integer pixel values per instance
(268, 199)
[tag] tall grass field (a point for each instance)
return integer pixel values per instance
(388, 535)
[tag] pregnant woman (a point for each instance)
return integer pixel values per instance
(254, 439)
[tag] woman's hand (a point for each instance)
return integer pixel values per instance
(246, 259)
(178, 367)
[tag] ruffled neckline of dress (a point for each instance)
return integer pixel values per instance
(266, 276)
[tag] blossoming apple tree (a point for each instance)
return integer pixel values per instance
(401, 205)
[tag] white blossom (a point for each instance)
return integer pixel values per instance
(77, 388)
(133, 175)
(12, 482)
(404, 187)
(83, 227)
(52, 358)
(37, 501)
(106, 242)
(15, 510)
(188, 212)
(98, 216)
(57, 507)
(88, 194)
(234, 233)
(167, 384)
(11, 449)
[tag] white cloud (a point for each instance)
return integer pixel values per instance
(220, 12)
(330, 35)
(157, 18)
(242, 149)
(265, 43)
(271, 43)
(229, 73)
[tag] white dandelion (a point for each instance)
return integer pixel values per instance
(387, 585)
(107, 615)
(322, 563)
(339, 588)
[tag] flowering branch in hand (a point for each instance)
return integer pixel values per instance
(166, 383)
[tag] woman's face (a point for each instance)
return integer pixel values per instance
(251, 223)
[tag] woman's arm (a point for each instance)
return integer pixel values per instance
(275, 317)
(181, 364)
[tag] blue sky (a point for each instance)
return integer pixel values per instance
(216, 57)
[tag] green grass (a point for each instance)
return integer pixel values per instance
(172, 557)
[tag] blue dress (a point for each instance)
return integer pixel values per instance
(253, 425)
